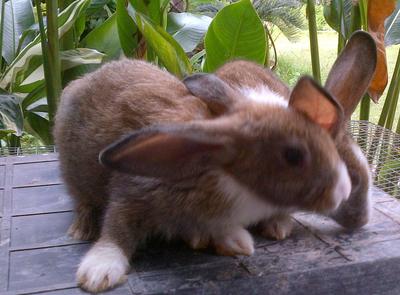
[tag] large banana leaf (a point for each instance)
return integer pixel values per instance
(96, 5)
(104, 38)
(30, 57)
(69, 59)
(18, 16)
(188, 29)
(38, 126)
(392, 27)
(338, 16)
(235, 32)
(169, 52)
(11, 117)
(127, 31)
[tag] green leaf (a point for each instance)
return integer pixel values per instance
(68, 17)
(188, 29)
(127, 30)
(11, 113)
(69, 59)
(155, 13)
(235, 32)
(38, 93)
(104, 38)
(80, 56)
(18, 16)
(39, 127)
(164, 45)
(95, 6)
(391, 164)
(30, 57)
(39, 106)
(338, 16)
(392, 27)
(27, 36)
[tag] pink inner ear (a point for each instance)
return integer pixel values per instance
(164, 149)
(161, 148)
(312, 101)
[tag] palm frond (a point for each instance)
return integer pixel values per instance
(284, 14)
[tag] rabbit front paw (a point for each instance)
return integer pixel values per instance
(277, 227)
(103, 267)
(235, 242)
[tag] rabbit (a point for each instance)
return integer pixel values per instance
(143, 154)
(347, 82)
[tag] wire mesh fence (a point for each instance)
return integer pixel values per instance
(382, 148)
(380, 145)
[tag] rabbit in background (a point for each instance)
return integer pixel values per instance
(205, 158)
(347, 82)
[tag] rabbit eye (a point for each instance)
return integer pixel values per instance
(293, 156)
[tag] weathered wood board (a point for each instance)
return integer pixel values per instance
(37, 257)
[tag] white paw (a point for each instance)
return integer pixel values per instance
(103, 267)
(277, 228)
(236, 242)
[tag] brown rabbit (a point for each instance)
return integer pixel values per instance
(201, 168)
(347, 82)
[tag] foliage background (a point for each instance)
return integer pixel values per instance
(46, 44)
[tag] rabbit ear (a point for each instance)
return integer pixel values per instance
(352, 72)
(312, 100)
(215, 92)
(168, 152)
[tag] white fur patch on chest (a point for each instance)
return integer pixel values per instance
(247, 208)
(263, 94)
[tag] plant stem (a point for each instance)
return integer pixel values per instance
(363, 6)
(267, 54)
(312, 28)
(389, 104)
(54, 54)
(341, 38)
(3, 6)
(365, 106)
(54, 62)
(396, 85)
(51, 59)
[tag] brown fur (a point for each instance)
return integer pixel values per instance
(165, 177)
(98, 109)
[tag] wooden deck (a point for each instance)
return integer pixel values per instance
(36, 256)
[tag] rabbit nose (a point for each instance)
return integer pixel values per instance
(342, 189)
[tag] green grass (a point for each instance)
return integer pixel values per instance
(294, 60)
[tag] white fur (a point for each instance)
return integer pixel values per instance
(238, 241)
(342, 189)
(359, 155)
(247, 209)
(263, 94)
(104, 266)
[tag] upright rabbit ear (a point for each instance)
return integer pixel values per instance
(319, 106)
(215, 92)
(352, 72)
(169, 152)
